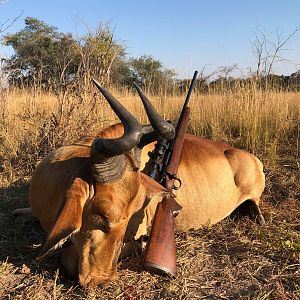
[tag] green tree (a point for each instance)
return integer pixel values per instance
(150, 73)
(99, 55)
(42, 54)
(51, 59)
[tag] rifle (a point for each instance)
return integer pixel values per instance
(160, 256)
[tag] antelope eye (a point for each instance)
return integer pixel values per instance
(100, 220)
(97, 220)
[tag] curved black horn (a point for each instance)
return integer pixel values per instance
(105, 148)
(162, 127)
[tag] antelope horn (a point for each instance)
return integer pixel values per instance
(162, 127)
(102, 149)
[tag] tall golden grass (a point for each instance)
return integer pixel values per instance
(266, 123)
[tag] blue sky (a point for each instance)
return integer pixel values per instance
(183, 35)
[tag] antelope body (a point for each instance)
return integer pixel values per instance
(94, 193)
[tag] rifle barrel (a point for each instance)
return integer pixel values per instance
(187, 99)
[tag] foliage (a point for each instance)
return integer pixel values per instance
(38, 53)
(98, 53)
(44, 56)
(150, 73)
(264, 83)
(53, 60)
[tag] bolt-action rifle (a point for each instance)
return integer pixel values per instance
(160, 256)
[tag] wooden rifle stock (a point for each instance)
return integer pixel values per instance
(160, 256)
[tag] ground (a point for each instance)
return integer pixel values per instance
(235, 259)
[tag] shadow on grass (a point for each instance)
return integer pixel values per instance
(17, 236)
(20, 242)
(20, 239)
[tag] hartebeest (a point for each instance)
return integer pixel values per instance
(93, 192)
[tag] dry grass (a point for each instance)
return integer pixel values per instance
(235, 259)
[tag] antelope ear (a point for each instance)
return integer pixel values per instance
(70, 217)
(153, 188)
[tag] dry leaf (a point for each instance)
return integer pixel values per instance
(25, 269)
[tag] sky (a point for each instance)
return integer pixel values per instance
(182, 35)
